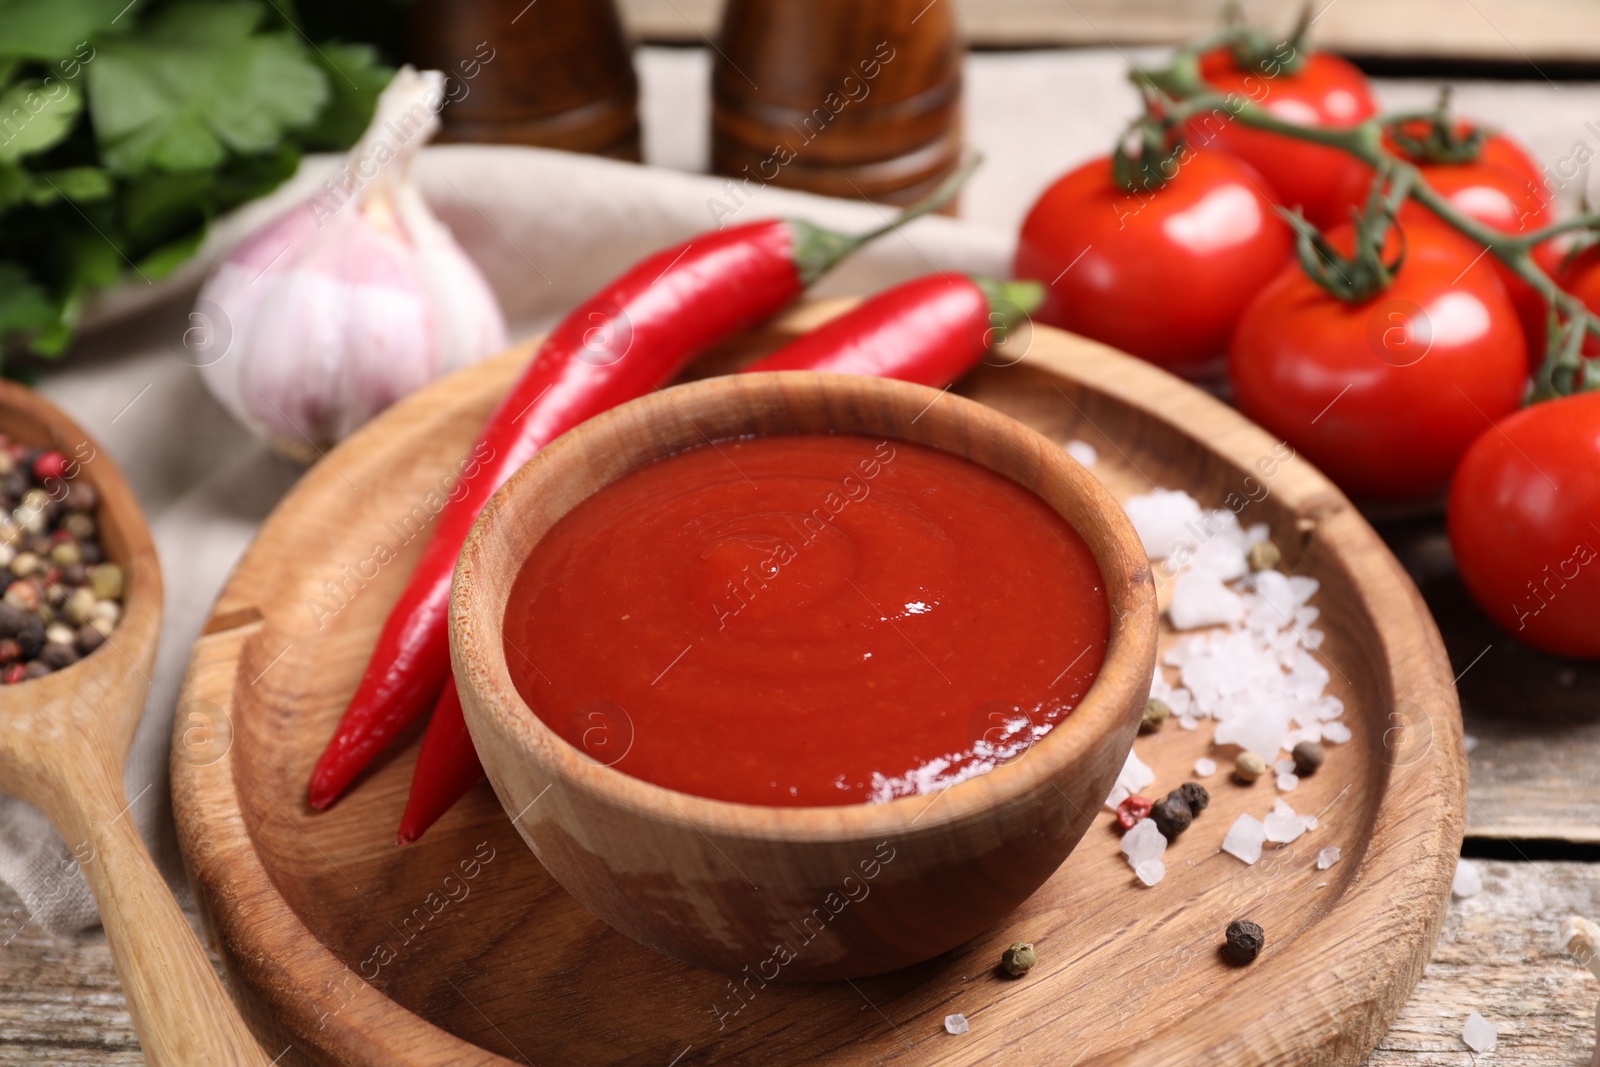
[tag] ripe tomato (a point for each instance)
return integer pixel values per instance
(1325, 91)
(1384, 395)
(1502, 188)
(1580, 276)
(1162, 273)
(1524, 519)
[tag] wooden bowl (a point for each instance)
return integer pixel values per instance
(797, 893)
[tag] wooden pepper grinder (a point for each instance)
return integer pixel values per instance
(847, 98)
(553, 73)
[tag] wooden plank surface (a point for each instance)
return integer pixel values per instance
(59, 1004)
(1508, 30)
(1535, 773)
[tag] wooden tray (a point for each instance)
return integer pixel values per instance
(344, 948)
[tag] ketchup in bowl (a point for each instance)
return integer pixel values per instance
(807, 620)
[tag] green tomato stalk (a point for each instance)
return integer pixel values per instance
(1177, 93)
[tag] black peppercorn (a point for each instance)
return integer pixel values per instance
(30, 636)
(12, 619)
(1172, 815)
(1308, 757)
(1194, 794)
(57, 656)
(1243, 941)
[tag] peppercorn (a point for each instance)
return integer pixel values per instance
(50, 466)
(78, 525)
(106, 580)
(1156, 713)
(36, 669)
(11, 619)
(1131, 810)
(79, 607)
(30, 637)
(65, 553)
(1172, 815)
(56, 655)
(1018, 959)
(1263, 556)
(1243, 942)
(88, 640)
(1248, 767)
(1194, 794)
(10, 651)
(23, 596)
(13, 674)
(81, 497)
(1308, 756)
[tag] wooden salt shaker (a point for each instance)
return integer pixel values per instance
(849, 98)
(553, 74)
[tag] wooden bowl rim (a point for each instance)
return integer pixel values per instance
(477, 611)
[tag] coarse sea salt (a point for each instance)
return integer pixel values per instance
(1151, 871)
(1134, 776)
(1161, 519)
(1205, 768)
(1143, 843)
(1479, 1033)
(1466, 883)
(1469, 742)
(1082, 451)
(1248, 657)
(1245, 838)
(1282, 825)
(955, 1024)
(1327, 857)
(1199, 598)
(1337, 732)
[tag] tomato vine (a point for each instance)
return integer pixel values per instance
(1178, 93)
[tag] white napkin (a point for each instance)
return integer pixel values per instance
(546, 227)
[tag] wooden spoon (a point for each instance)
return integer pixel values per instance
(63, 741)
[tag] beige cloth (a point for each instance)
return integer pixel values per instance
(548, 228)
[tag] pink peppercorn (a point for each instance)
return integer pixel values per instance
(1133, 809)
(13, 674)
(50, 465)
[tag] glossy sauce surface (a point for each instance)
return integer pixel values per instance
(807, 620)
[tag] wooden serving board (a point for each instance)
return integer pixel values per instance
(344, 948)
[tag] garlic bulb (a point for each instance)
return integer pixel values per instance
(344, 304)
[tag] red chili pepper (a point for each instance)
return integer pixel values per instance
(928, 330)
(447, 766)
(622, 342)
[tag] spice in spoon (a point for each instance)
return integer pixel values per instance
(59, 598)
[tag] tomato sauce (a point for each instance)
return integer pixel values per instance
(807, 620)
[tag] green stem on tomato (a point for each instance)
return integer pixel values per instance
(1183, 95)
